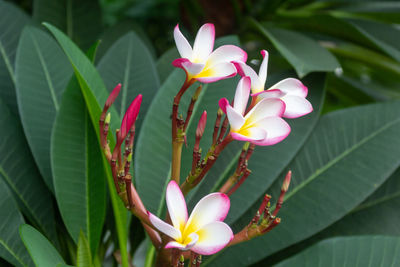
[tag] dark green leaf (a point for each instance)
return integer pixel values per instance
(42, 72)
(94, 92)
(164, 63)
(11, 247)
(348, 155)
(12, 21)
(303, 53)
(80, 20)
(130, 63)
(350, 251)
(385, 36)
(18, 170)
(41, 250)
(79, 178)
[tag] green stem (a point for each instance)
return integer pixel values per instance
(150, 256)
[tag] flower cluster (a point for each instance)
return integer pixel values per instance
(255, 116)
(262, 122)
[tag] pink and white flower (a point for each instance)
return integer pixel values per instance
(292, 91)
(203, 232)
(262, 125)
(201, 62)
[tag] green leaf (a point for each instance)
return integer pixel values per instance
(94, 92)
(348, 155)
(12, 21)
(384, 36)
(11, 247)
(41, 250)
(153, 149)
(42, 72)
(129, 62)
(303, 53)
(18, 171)
(80, 20)
(350, 251)
(164, 63)
(79, 178)
(84, 257)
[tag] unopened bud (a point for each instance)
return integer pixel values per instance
(129, 158)
(111, 98)
(246, 146)
(286, 182)
(130, 117)
(201, 125)
(220, 112)
(197, 93)
(108, 118)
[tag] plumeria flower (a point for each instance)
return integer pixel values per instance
(200, 62)
(290, 90)
(262, 125)
(203, 232)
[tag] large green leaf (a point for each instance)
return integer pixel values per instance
(350, 153)
(303, 53)
(349, 251)
(382, 205)
(80, 20)
(11, 247)
(79, 178)
(277, 156)
(12, 21)
(18, 170)
(164, 63)
(129, 62)
(154, 143)
(42, 73)
(385, 36)
(95, 93)
(41, 250)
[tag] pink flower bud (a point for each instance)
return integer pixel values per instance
(111, 98)
(129, 118)
(202, 124)
(286, 182)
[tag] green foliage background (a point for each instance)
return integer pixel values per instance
(58, 206)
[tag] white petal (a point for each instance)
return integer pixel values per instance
(164, 227)
(211, 208)
(236, 120)
(242, 95)
(250, 134)
(245, 70)
(204, 43)
(272, 93)
(227, 53)
(291, 86)
(192, 239)
(296, 106)
(212, 238)
(176, 205)
(216, 72)
(277, 129)
(267, 107)
(184, 48)
(262, 73)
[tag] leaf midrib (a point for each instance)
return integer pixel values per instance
(46, 72)
(14, 189)
(7, 63)
(12, 253)
(125, 85)
(330, 163)
(376, 202)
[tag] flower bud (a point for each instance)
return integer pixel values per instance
(201, 125)
(129, 117)
(111, 98)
